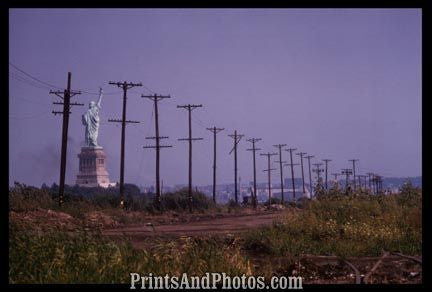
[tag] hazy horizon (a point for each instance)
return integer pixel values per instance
(335, 83)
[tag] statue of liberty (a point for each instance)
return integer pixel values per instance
(91, 122)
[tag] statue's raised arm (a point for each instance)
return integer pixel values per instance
(100, 97)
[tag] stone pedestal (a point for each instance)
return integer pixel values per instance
(92, 168)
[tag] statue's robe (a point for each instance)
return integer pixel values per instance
(91, 120)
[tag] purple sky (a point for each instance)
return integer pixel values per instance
(335, 83)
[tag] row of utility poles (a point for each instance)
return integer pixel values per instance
(375, 181)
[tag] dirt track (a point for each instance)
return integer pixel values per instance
(229, 224)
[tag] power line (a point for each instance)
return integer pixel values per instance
(34, 78)
(48, 85)
(27, 81)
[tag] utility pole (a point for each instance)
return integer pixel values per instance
(161, 187)
(370, 174)
(364, 177)
(347, 173)
(189, 108)
(214, 130)
(67, 94)
(125, 86)
(372, 182)
(269, 171)
(310, 175)
(380, 183)
(301, 162)
(253, 141)
(326, 170)
(318, 171)
(359, 177)
(353, 169)
(156, 98)
(279, 146)
(377, 179)
(237, 138)
(335, 175)
(292, 170)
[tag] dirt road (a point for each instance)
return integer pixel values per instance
(229, 224)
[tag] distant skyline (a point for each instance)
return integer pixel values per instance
(335, 83)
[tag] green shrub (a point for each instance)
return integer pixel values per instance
(179, 201)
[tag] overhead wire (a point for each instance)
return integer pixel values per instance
(35, 82)
(34, 78)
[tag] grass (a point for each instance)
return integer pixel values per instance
(355, 225)
(24, 198)
(344, 226)
(88, 257)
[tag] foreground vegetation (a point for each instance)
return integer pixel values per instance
(56, 257)
(344, 226)
(335, 224)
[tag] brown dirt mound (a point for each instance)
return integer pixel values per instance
(45, 218)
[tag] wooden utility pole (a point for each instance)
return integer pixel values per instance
(360, 181)
(347, 172)
(67, 94)
(214, 130)
(370, 174)
(253, 149)
(280, 146)
(301, 162)
(326, 171)
(335, 175)
(335, 178)
(358, 178)
(161, 188)
(365, 183)
(379, 183)
(237, 138)
(353, 169)
(310, 174)
(156, 98)
(189, 108)
(318, 171)
(374, 180)
(124, 86)
(269, 171)
(292, 170)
